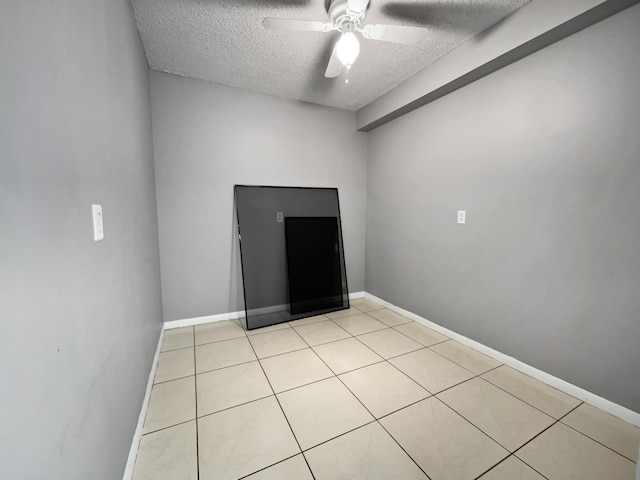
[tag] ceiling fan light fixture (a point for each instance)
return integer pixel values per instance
(348, 49)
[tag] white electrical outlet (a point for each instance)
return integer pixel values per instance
(279, 217)
(98, 227)
(462, 216)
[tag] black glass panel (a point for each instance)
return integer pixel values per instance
(313, 263)
(292, 253)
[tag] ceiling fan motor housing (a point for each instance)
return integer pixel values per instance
(343, 17)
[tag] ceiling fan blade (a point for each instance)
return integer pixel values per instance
(289, 24)
(396, 33)
(334, 67)
(357, 6)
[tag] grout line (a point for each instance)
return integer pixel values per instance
(402, 448)
(175, 349)
(308, 466)
(492, 438)
(307, 384)
(234, 406)
(278, 354)
(477, 427)
(269, 466)
(280, 405)
(458, 364)
(372, 415)
(536, 436)
(171, 426)
(226, 366)
(218, 341)
(597, 441)
(514, 395)
(504, 460)
(340, 435)
(195, 382)
(173, 379)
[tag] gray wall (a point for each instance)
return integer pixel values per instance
(79, 320)
(544, 156)
(209, 137)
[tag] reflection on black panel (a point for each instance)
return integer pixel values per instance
(313, 263)
(291, 250)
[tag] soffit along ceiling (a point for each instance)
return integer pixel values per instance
(223, 41)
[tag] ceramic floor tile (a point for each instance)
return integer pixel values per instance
(171, 403)
(345, 355)
(512, 469)
(551, 401)
(244, 439)
(606, 429)
(231, 386)
(365, 305)
(421, 334)
(175, 338)
(321, 332)
(433, 372)
(217, 331)
(294, 468)
(264, 320)
(306, 321)
(503, 417)
(175, 364)
(466, 357)
(270, 328)
(295, 369)
(368, 453)
(389, 318)
(382, 388)
(445, 445)
(275, 343)
(360, 324)
(561, 453)
(388, 343)
(223, 354)
(168, 454)
(321, 411)
(343, 313)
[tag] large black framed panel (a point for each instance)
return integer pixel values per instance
(291, 251)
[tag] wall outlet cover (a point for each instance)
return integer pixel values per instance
(98, 226)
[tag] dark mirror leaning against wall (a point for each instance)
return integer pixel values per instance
(292, 253)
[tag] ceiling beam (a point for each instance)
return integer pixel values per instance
(533, 27)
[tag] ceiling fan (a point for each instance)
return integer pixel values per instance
(347, 17)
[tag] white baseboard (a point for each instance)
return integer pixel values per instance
(137, 435)
(188, 322)
(603, 404)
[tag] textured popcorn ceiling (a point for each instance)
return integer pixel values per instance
(223, 41)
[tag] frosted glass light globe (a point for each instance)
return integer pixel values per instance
(348, 48)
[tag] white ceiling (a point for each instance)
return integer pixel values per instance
(223, 41)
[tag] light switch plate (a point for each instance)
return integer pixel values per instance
(280, 217)
(98, 227)
(462, 216)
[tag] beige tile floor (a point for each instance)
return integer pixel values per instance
(363, 393)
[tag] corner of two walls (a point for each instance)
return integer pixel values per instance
(208, 138)
(543, 156)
